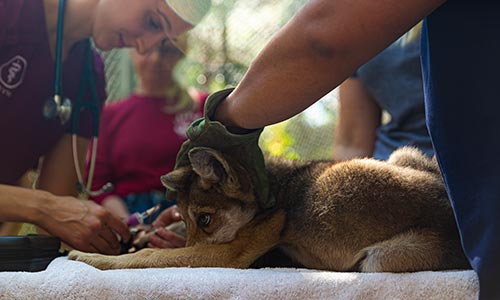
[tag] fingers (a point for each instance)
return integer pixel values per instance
(118, 226)
(167, 217)
(82, 246)
(108, 241)
(90, 248)
(104, 228)
(103, 246)
(98, 237)
(99, 241)
(86, 226)
(111, 223)
(166, 239)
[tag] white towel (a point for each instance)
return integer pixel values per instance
(65, 279)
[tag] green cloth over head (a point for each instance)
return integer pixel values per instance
(206, 132)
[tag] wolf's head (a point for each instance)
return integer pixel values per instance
(215, 196)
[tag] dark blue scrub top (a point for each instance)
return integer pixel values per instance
(461, 71)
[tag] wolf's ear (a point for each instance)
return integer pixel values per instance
(176, 179)
(212, 167)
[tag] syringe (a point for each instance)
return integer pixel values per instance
(139, 217)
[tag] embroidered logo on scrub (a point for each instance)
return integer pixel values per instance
(12, 72)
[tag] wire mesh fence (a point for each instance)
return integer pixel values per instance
(221, 48)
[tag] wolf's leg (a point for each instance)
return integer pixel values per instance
(252, 241)
(413, 158)
(221, 255)
(415, 250)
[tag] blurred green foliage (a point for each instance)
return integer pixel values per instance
(308, 135)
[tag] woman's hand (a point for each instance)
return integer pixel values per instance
(82, 224)
(164, 238)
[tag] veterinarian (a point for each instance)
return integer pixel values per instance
(44, 60)
(328, 40)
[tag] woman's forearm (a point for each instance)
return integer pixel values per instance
(21, 204)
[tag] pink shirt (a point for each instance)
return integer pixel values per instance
(138, 143)
(26, 81)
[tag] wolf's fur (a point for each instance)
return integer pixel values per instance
(360, 215)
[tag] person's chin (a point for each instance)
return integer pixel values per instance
(102, 46)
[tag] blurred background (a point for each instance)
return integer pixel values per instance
(221, 48)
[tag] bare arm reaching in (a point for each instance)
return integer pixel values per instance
(315, 52)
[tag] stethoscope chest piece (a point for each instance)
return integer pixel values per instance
(53, 108)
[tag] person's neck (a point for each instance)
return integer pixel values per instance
(156, 91)
(174, 102)
(150, 93)
(78, 20)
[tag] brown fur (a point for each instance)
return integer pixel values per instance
(360, 215)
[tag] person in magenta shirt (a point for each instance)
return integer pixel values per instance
(27, 53)
(141, 134)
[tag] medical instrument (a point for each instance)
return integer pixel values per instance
(138, 218)
(57, 106)
(32, 252)
(64, 108)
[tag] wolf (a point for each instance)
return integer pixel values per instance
(361, 215)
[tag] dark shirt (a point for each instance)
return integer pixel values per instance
(461, 60)
(27, 81)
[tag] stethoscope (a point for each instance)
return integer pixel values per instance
(64, 109)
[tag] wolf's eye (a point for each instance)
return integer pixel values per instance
(204, 220)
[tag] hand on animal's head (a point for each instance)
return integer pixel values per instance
(241, 150)
(214, 195)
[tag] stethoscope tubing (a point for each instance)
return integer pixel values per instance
(84, 188)
(59, 44)
(87, 188)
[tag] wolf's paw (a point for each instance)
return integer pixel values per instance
(103, 262)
